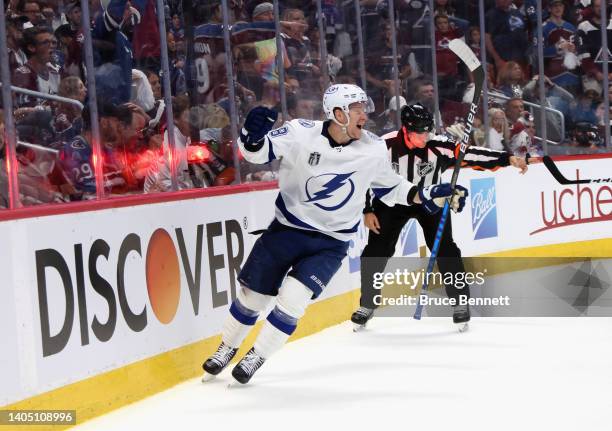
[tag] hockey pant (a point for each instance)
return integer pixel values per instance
(382, 246)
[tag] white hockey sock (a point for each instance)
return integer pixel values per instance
(291, 303)
(244, 312)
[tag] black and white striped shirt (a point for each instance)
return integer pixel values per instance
(424, 166)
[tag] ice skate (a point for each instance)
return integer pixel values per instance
(244, 370)
(361, 317)
(218, 361)
(461, 317)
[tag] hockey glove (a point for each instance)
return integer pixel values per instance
(258, 123)
(433, 197)
(458, 201)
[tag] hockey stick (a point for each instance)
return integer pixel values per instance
(561, 179)
(466, 55)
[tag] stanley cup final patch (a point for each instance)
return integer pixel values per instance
(314, 158)
(424, 168)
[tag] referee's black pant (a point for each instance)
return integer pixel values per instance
(382, 246)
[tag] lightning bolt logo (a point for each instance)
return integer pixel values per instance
(328, 188)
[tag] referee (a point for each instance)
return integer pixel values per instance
(421, 158)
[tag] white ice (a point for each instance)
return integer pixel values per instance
(517, 374)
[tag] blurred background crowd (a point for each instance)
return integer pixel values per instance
(73, 145)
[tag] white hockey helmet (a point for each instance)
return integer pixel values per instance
(343, 95)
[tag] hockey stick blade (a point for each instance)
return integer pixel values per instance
(465, 54)
(561, 179)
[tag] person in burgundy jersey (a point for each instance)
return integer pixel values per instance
(449, 78)
(37, 74)
(559, 42)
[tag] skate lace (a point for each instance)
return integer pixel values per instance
(223, 354)
(363, 311)
(251, 362)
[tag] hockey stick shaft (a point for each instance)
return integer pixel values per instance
(561, 179)
(467, 56)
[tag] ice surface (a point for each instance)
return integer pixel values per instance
(503, 374)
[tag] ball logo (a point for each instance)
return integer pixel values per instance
(329, 191)
(484, 208)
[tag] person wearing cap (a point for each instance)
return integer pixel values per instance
(263, 12)
(420, 157)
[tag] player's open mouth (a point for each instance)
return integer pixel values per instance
(359, 126)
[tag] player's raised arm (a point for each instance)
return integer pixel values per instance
(258, 142)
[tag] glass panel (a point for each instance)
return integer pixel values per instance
(42, 125)
(4, 196)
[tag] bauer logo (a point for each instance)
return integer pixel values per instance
(484, 208)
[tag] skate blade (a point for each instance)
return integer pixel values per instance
(358, 328)
(234, 384)
(462, 327)
(208, 377)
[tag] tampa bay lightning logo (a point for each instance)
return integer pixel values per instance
(330, 191)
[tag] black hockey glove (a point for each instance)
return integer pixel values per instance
(258, 123)
(434, 196)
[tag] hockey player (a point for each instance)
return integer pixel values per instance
(423, 158)
(325, 170)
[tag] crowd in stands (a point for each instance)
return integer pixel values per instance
(45, 41)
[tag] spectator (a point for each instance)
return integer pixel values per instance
(76, 155)
(40, 178)
(379, 67)
(14, 41)
(69, 36)
(298, 47)
(450, 83)
(50, 17)
(423, 93)
(157, 113)
(515, 108)
(37, 74)
(583, 110)
(473, 40)
(31, 9)
(511, 79)
(589, 49)
(446, 7)
(176, 28)
(113, 57)
(560, 61)
(522, 138)
(263, 12)
(68, 122)
(177, 67)
(498, 130)
(506, 37)
(158, 178)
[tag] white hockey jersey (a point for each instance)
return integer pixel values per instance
(323, 184)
